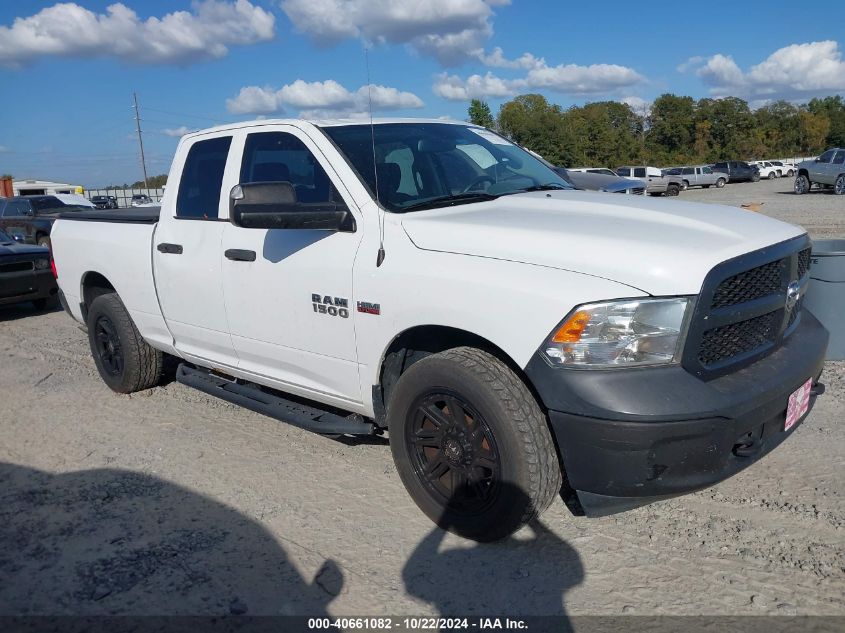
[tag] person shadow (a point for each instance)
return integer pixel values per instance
(115, 542)
(515, 576)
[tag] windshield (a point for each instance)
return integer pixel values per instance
(422, 165)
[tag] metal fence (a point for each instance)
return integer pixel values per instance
(124, 196)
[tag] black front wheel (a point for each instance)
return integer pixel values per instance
(802, 185)
(125, 361)
(471, 444)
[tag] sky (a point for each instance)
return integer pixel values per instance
(68, 70)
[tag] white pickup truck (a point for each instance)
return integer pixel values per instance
(435, 281)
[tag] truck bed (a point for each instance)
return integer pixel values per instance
(144, 215)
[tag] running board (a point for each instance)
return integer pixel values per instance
(253, 397)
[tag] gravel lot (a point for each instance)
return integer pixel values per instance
(820, 212)
(170, 501)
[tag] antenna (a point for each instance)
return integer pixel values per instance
(379, 210)
(140, 140)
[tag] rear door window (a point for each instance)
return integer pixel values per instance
(839, 159)
(623, 171)
(202, 177)
(688, 171)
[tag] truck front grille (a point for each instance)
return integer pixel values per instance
(743, 312)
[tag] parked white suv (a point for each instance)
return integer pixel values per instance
(768, 170)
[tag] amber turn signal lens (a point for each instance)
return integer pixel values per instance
(572, 328)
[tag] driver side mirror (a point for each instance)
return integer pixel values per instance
(274, 205)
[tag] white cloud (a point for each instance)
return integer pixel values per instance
(321, 98)
(69, 30)
(454, 88)
(569, 79)
(449, 30)
(638, 104)
(792, 72)
(178, 132)
(497, 59)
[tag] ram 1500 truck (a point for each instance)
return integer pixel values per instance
(436, 281)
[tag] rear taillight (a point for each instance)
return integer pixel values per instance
(53, 268)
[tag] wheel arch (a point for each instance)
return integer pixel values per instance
(93, 285)
(419, 341)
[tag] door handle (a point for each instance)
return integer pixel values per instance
(239, 255)
(171, 249)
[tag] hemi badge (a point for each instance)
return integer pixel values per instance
(369, 308)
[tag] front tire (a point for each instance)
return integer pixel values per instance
(789, 173)
(802, 185)
(125, 361)
(772, 175)
(685, 186)
(471, 444)
(720, 183)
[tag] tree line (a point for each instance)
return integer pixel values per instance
(675, 130)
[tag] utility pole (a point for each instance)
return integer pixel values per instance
(140, 140)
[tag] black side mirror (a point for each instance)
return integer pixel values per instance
(274, 205)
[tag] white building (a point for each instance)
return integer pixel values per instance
(42, 188)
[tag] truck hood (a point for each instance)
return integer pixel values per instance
(658, 246)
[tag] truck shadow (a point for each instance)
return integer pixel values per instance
(515, 576)
(23, 310)
(99, 542)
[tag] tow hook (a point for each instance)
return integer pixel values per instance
(817, 389)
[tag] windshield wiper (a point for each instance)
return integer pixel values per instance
(455, 198)
(551, 186)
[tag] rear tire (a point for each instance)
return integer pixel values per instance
(125, 361)
(789, 174)
(755, 178)
(720, 183)
(839, 185)
(772, 175)
(463, 417)
(802, 185)
(673, 190)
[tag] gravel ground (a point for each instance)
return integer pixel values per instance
(820, 212)
(172, 502)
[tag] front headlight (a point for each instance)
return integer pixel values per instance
(620, 334)
(42, 264)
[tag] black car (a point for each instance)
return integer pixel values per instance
(104, 202)
(738, 170)
(32, 217)
(26, 274)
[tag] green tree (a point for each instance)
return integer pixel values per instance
(480, 114)
(834, 109)
(671, 133)
(813, 130)
(533, 122)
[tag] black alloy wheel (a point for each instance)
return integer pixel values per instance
(109, 349)
(454, 453)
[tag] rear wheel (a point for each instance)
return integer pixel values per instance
(802, 185)
(125, 361)
(772, 175)
(789, 173)
(471, 444)
(839, 185)
(720, 183)
(755, 177)
(673, 190)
